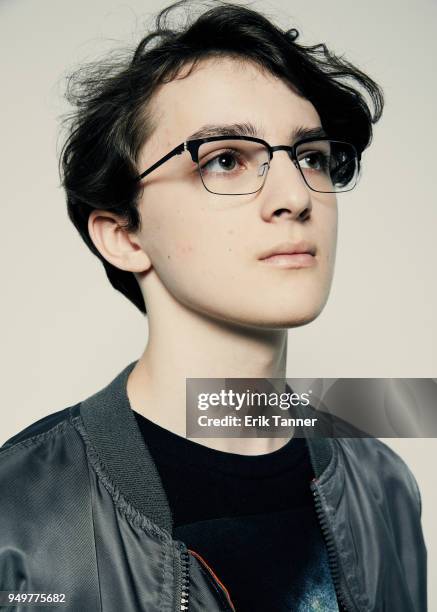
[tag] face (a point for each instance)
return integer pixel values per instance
(205, 249)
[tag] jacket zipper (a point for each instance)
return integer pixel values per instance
(182, 576)
(330, 546)
(184, 580)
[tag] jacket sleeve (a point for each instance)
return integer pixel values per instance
(46, 534)
(418, 565)
(405, 503)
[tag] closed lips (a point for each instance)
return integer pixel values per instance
(288, 248)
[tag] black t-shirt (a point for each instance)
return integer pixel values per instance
(250, 517)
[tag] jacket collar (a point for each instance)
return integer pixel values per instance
(115, 435)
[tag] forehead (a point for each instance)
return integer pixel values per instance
(226, 90)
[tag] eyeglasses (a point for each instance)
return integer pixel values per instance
(238, 165)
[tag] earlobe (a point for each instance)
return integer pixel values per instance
(115, 244)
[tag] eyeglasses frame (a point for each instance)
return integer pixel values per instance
(192, 146)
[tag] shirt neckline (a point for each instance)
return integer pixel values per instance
(115, 435)
(190, 452)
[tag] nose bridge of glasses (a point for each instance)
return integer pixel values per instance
(287, 148)
(290, 150)
(291, 154)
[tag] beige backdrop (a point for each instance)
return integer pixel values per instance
(65, 331)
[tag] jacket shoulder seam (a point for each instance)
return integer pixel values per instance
(34, 440)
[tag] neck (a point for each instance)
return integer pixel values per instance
(200, 347)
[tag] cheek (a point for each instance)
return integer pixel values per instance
(331, 245)
(328, 221)
(171, 253)
(187, 248)
(184, 250)
(167, 227)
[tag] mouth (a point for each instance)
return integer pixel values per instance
(289, 255)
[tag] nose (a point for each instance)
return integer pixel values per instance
(285, 193)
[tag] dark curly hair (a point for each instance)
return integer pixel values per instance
(110, 121)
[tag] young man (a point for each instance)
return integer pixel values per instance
(203, 173)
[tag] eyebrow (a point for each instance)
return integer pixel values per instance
(250, 129)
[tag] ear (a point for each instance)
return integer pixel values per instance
(116, 245)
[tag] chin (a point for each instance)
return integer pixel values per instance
(277, 320)
(293, 315)
(293, 309)
(291, 321)
(261, 313)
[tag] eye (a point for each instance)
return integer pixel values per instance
(222, 163)
(314, 160)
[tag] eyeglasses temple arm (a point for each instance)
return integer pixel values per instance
(176, 151)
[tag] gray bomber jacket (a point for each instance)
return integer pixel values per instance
(83, 515)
